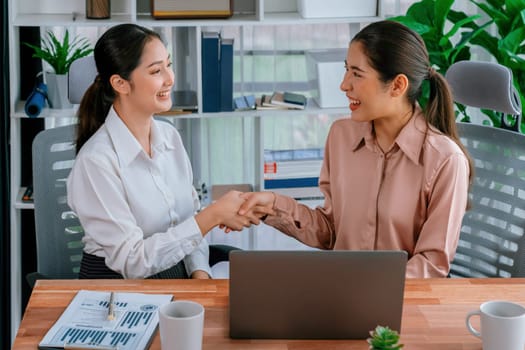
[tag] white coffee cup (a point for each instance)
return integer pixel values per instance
(502, 325)
(181, 325)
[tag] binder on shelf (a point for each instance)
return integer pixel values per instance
(211, 72)
(226, 75)
(217, 73)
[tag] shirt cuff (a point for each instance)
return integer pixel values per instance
(187, 229)
(198, 259)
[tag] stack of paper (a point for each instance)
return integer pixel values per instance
(85, 322)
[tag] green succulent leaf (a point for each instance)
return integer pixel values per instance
(384, 338)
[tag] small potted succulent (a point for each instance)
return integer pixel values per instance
(384, 338)
(59, 55)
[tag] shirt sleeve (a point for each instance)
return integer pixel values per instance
(96, 194)
(198, 259)
(436, 245)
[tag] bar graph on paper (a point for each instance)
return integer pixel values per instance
(85, 321)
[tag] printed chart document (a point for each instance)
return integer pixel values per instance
(85, 322)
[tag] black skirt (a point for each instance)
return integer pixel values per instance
(94, 267)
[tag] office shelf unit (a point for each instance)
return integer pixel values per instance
(184, 40)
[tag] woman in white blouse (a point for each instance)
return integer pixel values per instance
(132, 184)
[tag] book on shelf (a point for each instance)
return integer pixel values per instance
(217, 73)
(288, 100)
(27, 197)
(210, 72)
(226, 75)
(244, 103)
(264, 103)
(296, 99)
(106, 320)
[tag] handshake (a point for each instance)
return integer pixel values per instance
(237, 210)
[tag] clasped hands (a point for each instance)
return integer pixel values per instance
(243, 209)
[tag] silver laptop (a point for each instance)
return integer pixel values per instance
(315, 294)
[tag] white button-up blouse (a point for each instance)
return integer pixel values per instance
(137, 211)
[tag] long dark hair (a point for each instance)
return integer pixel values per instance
(117, 51)
(392, 48)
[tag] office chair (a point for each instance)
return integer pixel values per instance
(58, 231)
(492, 238)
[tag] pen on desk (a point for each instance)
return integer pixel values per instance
(111, 307)
(87, 346)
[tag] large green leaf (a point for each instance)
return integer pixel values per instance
(441, 10)
(423, 12)
(466, 37)
(512, 41)
(413, 24)
(515, 6)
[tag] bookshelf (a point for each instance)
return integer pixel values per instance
(198, 129)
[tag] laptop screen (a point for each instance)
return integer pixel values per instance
(315, 294)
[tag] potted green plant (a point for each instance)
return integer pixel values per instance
(59, 55)
(501, 34)
(384, 338)
(428, 19)
(504, 40)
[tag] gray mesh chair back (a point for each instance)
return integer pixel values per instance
(492, 239)
(486, 85)
(58, 231)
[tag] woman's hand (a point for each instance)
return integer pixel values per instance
(258, 203)
(200, 275)
(224, 212)
(256, 207)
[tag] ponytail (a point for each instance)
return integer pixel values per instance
(440, 113)
(440, 108)
(93, 110)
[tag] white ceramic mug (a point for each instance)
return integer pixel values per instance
(502, 325)
(181, 325)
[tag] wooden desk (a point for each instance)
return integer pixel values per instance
(433, 313)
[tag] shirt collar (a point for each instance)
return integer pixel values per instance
(410, 139)
(159, 141)
(364, 134)
(126, 145)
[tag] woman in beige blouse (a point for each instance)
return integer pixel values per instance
(394, 176)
